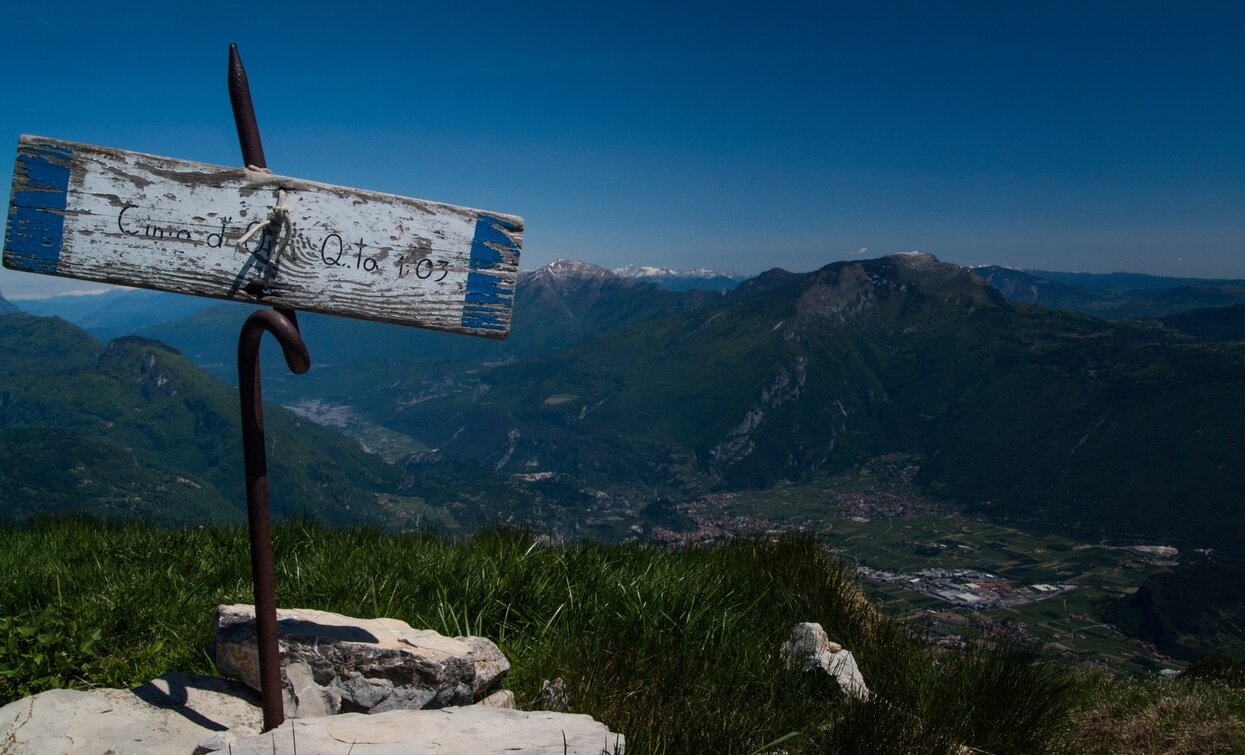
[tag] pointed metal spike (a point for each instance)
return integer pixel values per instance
(244, 112)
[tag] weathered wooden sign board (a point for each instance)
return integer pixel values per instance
(154, 222)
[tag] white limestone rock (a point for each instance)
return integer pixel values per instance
(809, 648)
(469, 730)
(490, 665)
(332, 663)
(171, 714)
(842, 666)
(806, 643)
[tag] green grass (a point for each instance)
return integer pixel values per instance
(675, 649)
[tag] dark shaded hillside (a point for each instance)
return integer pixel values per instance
(133, 428)
(1190, 612)
(7, 307)
(1127, 437)
(1018, 411)
(1162, 302)
(1220, 324)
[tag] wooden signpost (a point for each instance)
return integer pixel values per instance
(246, 235)
(154, 222)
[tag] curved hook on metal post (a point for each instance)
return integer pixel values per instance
(283, 324)
(284, 327)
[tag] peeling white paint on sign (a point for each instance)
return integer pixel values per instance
(154, 222)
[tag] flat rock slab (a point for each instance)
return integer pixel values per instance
(171, 714)
(474, 730)
(332, 663)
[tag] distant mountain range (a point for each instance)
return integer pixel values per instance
(555, 305)
(1120, 282)
(1109, 296)
(612, 388)
(1113, 296)
(118, 312)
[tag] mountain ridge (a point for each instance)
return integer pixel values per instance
(698, 279)
(1113, 296)
(554, 305)
(131, 427)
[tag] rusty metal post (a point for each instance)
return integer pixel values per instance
(258, 520)
(283, 324)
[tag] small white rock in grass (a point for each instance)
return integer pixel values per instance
(809, 648)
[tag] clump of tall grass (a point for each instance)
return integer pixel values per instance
(675, 649)
(1185, 716)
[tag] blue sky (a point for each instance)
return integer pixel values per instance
(1091, 136)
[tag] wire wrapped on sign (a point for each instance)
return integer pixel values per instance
(279, 230)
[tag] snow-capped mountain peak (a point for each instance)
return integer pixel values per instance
(562, 270)
(653, 271)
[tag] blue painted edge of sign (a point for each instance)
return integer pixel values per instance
(35, 230)
(484, 288)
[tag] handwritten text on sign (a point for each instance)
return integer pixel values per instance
(154, 222)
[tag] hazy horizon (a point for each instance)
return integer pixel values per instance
(40, 287)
